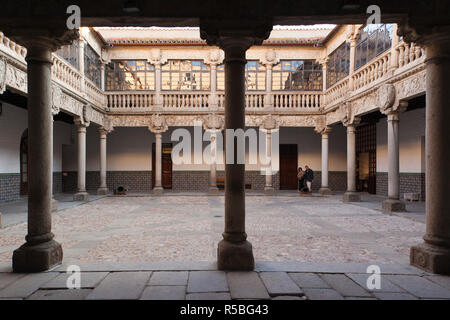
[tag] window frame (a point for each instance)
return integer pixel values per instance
(204, 69)
(314, 68)
(149, 69)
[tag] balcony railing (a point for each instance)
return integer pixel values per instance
(401, 58)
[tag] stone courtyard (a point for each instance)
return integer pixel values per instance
(164, 248)
(188, 227)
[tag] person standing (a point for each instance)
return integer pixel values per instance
(301, 179)
(309, 177)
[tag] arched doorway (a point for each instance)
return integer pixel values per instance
(24, 163)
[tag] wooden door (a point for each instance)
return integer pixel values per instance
(288, 167)
(166, 165)
(366, 143)
(24, 164)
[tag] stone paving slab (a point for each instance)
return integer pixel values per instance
(420, 287)
(169, 278)
(246, 285)
(121, 285)
(7, 278)
(62, 294)
(88, 280)
(386, 285)
(394, 296)
(279, 283)
(209, 296)
(443, 281)
(344, 285)
(289, 298)
(207, 281)
(26, 285)
(308, 280)
(324, 267)
(164, 293)
(143, 266)
(322, 294)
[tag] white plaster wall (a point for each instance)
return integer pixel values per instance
(310, 147)
(129, 149)
(13, 122)
(411, 133)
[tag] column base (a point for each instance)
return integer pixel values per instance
(269, 191)
(81, 196)
(431, 258)
(157, 191)
(351, 197)
(54, 205)
(37, 258)
(213, 191)
(325, 191)
(392, 205)
(235, 256)
(102, 191)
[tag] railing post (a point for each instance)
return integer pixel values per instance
(81, 45)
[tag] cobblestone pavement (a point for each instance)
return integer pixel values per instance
(188, 228)
(200, 280)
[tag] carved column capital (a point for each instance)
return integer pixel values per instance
(158, 124)
(213, 122)
(56, 99)
(347, 117)
(269, 123)
(214, 57)
(321, 126)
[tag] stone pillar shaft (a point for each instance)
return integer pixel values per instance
(351, 195)
(324, 189)
(157, 189)
(81, 194)
(269, 157)
(40, 252)
(103, 185)
(213, 165)
(434, 254)
(393, 203)
(393, 158)
(234, 251)
(158, 97)
(351, 159)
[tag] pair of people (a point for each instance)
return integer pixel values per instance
(305, 179)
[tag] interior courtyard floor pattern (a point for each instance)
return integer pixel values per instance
(188, 228)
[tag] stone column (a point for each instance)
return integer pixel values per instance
(234, 251)
(268, 188)
(103, 190)
(434, 254)
(213, 166)
(158, 189)
(393, 203)
(325, 190)
(81, 194)
(351, 195)
(40, 252)
(158, 125)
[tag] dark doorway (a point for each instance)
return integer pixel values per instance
(166, 165)
(288, 167)
(366, 158)
(24, 164)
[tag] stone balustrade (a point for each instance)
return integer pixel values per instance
(130, 100)
(189, 101)
(66, 74)
(372, 71)
(401, 58)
